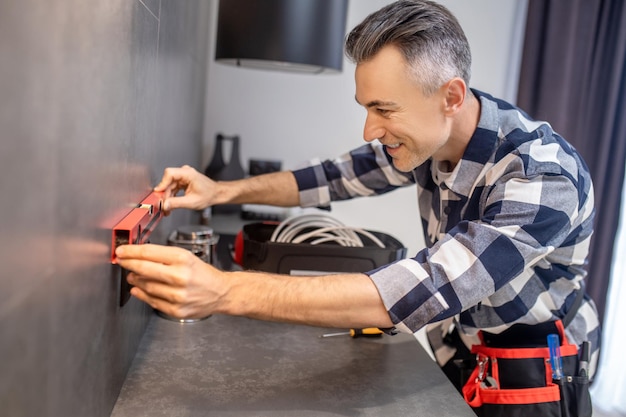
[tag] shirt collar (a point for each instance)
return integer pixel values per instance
(478, 152)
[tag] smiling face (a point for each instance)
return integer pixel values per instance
(413, 127)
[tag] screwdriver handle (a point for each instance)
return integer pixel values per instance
(366, 332)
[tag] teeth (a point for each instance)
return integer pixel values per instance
(393, 146)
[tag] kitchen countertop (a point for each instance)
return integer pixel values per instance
(230, 366)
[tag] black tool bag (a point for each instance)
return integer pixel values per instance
(513, 376)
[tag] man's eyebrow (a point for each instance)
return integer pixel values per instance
(376, 103)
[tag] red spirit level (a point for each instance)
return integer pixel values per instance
(137, 226)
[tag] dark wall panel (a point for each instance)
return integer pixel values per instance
(96, 99)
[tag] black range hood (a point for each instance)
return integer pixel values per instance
(289, 35)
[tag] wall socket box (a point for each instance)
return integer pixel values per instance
(262, 166)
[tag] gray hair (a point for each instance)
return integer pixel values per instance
(427, 34)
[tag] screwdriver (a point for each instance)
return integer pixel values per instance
(367, 332)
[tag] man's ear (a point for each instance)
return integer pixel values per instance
(455, 90)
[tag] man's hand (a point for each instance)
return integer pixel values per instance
(199, 189)
(172, 280)
(176, 282)
(276, 189)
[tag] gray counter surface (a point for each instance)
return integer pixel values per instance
(228, 366)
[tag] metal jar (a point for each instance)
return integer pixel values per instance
(198, 239)
(202, 242)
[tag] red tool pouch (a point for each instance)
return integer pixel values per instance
(517, 381)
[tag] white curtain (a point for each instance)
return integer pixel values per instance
(609, 388)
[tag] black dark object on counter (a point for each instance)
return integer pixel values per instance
(260, 254)
(218, 170)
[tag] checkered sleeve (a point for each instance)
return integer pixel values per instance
(521, 220)
(364, 171)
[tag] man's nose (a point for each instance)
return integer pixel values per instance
(372, 129)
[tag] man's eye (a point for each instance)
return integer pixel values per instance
(383, 112)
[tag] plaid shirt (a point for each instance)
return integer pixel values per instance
(507, 230)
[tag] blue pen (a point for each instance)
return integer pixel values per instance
(555, 356)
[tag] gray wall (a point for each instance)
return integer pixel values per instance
(96, 99)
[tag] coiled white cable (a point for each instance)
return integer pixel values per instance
(297, 229)
(286, 229)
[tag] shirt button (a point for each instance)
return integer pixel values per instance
(447, 210)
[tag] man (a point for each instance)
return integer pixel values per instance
(506, 205)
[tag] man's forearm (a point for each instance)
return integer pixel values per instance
(342, 300)
(277, 189)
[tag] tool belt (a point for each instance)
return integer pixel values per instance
(513, 375)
